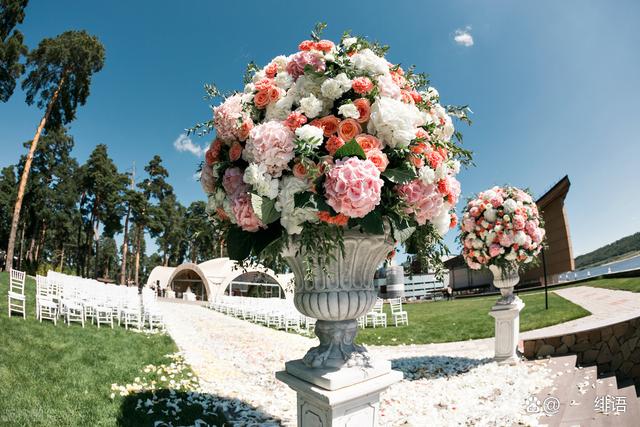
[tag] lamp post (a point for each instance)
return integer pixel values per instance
(544, 271)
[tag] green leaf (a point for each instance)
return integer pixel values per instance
(264, 208)
(300, 200)
(239, 243)
(350, 149)
(322, 204)
(372, 223)
(264, 238)
(401, 174)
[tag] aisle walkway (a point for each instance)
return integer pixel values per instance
(443, 383)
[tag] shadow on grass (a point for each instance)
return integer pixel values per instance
(431, 367)
(166, 407)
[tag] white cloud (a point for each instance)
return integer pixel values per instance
(463, 37)
(183, 143)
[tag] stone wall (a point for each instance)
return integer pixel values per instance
(613, 348)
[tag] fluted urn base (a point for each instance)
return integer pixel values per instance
(338, 295)
(336, 347)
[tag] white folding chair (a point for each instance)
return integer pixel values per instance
(398, 315)
(16, 297)
(377, 316)
(46, 307)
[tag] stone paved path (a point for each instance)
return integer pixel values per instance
(443, 385)
(606, 306)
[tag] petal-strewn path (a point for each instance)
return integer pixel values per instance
(445, 384)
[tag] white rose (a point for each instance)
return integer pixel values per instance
(427, 175)
(488, 238)
(477, 243)
(441, 171)
(433, 94)
(490, 214)
(281, 62)
(442, 221)
(349, 41)
(394, 122)
(259, 75)
(369, 62)
(510, 205)
(520, 238)
(249, 88)
(349, 111)
(257, 176)
(388, 87)
(454, 165)
(283, 80)
(312, 134)
(329, 57)
(511, 256)
(280, 109)
(310, 106)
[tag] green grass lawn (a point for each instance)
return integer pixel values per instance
(464, 319)
(620, 284)
(61, 376)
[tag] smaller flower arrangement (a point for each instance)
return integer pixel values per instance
(501, 227)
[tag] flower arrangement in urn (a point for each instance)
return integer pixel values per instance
(333, 155)
(502, 229)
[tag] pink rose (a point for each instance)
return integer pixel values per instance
(362, 85)
(364, 108)
(353, 187)
(244, 214)
(229, 117)
(518, 222)
(348, 129)
(506, 239)
(232, 181)
(378, 158)
(495, 250)
(235, 151)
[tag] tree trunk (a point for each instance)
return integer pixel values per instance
(32, 246)
(25, 175)
(125, 248)
(138, 242)
(40, 245)
(21, 248)
(61, 265)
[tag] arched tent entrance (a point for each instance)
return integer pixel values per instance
(221, 276)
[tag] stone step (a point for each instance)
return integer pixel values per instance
(581, 395)
(631, 415)
(563, 370)
(605, 386)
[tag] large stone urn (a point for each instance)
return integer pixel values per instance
(337, 382)
(506, 313)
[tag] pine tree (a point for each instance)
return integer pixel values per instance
(12, 47)
(59, 79)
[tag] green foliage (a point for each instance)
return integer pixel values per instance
(12, 47)
(401, 174)
(71, 59)
(264, 208)
(618, 248)
(350, 149)
(317, 31)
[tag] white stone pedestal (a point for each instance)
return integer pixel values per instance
(338, 397)
(507, 329)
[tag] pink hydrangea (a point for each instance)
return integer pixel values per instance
(271, 144)
(468, 224)
(454, 190)
(230, 121)
(518, 222)
(353, 186)
(232, 181)
(300, 60)
(495, 250)
(506, 239)
(422, 200)
(244, 214)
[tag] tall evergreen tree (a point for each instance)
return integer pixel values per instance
(59, 79)
(12, 47)
(199, 233)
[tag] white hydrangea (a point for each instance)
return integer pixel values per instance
(387, 86)
(442, 171)
(311, 106)
(283, 80)
(427, 175)
(249, 88)
(259, 75)
(257, 176)
(432, 94)
(511, 256)
(454, 166)
(334, 88)
(394, 122)
(510, 205)
(349, 111)
(444, 125)
(369, 62)
(311, 134)
(520, 238)
(291, 217)
(488, 238)
(442, 221)
(281, 62)
(305, 85)
(349, 41)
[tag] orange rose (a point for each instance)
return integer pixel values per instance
(333, 144)
(348, 129)
(329, 124)
(368, 142)
(299, 171)
(274, 94)
(213, 153)
(416, 161)
(364, 108)
(261, 99)
(235, 151)
(324, 45)
(379, 159)
(245, 128)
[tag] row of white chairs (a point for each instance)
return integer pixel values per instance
(377, 317)
(76, 299)
(273, 312)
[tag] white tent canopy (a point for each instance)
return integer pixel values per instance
(216, 275)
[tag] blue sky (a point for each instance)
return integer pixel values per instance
(554, 85)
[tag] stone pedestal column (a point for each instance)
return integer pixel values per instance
(345, 397)
(507, 329)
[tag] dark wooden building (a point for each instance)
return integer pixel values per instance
(558, 255)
